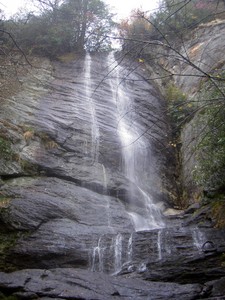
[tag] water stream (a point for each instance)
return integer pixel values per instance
(118, 253)
(97, 258)
(159, 244)
(135, 151)
(92, 107)
(199, 238)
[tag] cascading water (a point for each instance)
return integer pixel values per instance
(97, 258)
(88, 91)
(198, 238)
(113, 93)
(159, 244)
(134, 151)
(129, 248)
(118, 253)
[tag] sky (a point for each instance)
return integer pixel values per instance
(121, 7)
(124, 7)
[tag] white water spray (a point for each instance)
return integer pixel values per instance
(118, 253)
(198, 238)
(104, 178)
(130, 248)
(134, 150)
(159, 244)
(97, 258)
(94, 126)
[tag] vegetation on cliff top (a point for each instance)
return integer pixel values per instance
(60, 27)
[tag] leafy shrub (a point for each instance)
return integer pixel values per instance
(179, 109)
(178, 17)
(171, 22)
(62, 27)
(218, 209)
(210, 169)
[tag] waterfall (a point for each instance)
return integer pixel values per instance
(89, 96)
(145, 215)
(116, 122)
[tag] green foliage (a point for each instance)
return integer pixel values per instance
(178, 17)
(72, 26)
(7, 241)
(136, 28)
(3, 297)
(218, 212)
(210, 169)
(5, 149)
(171, 22)
(179, 109)
(4, 201)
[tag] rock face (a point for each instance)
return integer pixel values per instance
(79, 284)
(81, 190)
(202, 50)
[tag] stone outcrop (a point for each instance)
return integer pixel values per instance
(184, 64)
(66, 201)
(79, 284)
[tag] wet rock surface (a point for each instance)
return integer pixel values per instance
(79, 284)
(64, 193)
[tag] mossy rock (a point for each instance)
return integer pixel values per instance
(68, 57)
(218, 211)
(5, 149)
(4, 201)
(7, 242)
(4, 297)
(223, 260)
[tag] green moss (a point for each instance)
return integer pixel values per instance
(68, 57)
(47, 141)
(28, 167)
(4, 201)
(209, 171)
(3, 297)
(7, 242)
(223, 260)
(218, 212)
(5, 149)
(179, 108)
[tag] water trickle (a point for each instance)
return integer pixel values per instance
(107, 199)
(85, 147)
(118, 253)
(198, 238)
(97, 258)
(104, 178)
(89, 95)
(142, 268)
(135, 153)
(130, 248)
(167, 242)
(159, 244)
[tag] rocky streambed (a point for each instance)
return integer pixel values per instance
(82, 218)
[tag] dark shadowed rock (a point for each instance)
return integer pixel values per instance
(36, 201)
(80, 284)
